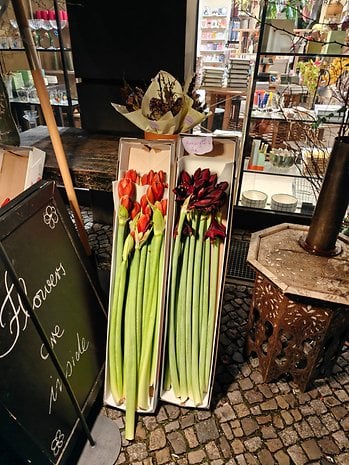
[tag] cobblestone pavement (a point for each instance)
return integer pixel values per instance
(249, 422)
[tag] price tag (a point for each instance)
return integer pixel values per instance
(198, 145)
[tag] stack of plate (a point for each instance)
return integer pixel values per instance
(254, 199)
(283, 203)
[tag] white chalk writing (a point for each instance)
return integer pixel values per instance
(13, 315)
(57, 385)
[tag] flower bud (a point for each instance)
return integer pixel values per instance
(157, 190)
(215, 230)
(143, 223)
(136, 209)
(150, 195)
(126, 202)
(145, 207)
(132, 175)
(162, 206)
(126, 187)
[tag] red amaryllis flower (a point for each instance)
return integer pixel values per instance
(126, 187)
(144, 179)
(132, 175)
(162, 176)
(143, 223)
(162, 206)
(158, 190)
(215, 230)
(150, 195)
(145, 207)
(136, 209)
(126, 201)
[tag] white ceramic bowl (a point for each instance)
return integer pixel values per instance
(254, 199)
(283, 203)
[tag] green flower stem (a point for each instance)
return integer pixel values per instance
(151, 310)
(181, 329)
(130, 352)
(116, 313)
(113, 340)
(148, 336)
(172, 305)
(188, 310)
(147, 279)
(140, 291)
(205, 280)
(212, 307)
(197, 397)
(158, 314)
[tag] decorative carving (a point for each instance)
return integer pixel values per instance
(298, 338)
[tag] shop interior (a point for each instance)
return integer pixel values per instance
(282, 63)
(266, 75)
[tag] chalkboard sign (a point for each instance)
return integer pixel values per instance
(37, 415)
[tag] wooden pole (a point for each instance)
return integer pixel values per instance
(35, 66)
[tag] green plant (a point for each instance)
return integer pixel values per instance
(309, 74)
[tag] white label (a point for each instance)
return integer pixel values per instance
(197, 145)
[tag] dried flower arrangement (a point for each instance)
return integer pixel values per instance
(165, 107)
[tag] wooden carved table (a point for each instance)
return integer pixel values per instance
(230, 98)
(299, 315)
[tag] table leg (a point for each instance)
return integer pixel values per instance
(211, 100)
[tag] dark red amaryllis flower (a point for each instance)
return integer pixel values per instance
(215, 230)
(126, 187)
(201, 178)
(185, 186)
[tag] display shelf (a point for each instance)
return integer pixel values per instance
(212, 51)
(296, 186)
(288, 121)
(303, 55)
(55, 58)
(214, 27)
(38, 49)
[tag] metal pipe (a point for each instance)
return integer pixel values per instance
(331, 205)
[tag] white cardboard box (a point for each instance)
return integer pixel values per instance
(142, 156)
(221, 160)
(20, 167)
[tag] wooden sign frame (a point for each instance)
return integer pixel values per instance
(52, 329)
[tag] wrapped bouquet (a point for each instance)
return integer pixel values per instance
(165, 107)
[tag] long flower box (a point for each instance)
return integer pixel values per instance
(218, 155)
(141, 157)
